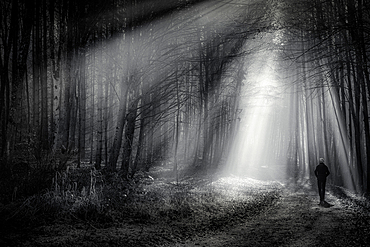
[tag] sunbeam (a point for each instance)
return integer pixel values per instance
(280, 132)
(256, 152)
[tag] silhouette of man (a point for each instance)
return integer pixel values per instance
(321, 172)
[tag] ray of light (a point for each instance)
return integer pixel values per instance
(256, 152)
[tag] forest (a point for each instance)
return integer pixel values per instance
(98, 99)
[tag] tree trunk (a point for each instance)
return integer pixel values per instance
(44, 133)
(36, 79)
(117, 141)
(82, 110)
(128, 139)
(99, 148)
(140, 145)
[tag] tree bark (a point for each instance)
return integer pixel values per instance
(128, 139)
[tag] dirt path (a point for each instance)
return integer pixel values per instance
(296, 220)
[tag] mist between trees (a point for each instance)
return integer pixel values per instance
(128, 85)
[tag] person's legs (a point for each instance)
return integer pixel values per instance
(321, 190)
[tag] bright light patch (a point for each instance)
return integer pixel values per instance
(255, 152)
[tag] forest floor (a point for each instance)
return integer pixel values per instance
(223, 211)
(294, 220)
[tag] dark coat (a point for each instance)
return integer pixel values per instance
(322, 171)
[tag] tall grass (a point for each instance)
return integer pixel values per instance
(88, 195)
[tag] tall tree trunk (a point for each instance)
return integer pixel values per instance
(53, 76)
(365, 88)
(82, 109)
(140, 145)
(37, 78)
(99, 148)
(68, 82)
(44, 83)
(129, 138)
(92, 116)
(177, 131)
(117, 141)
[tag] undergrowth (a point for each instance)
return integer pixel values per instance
(106, 199)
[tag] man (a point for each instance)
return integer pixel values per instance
(321, 172)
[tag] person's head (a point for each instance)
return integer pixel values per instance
(321, 160)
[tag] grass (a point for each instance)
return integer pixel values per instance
(89, 207)
(105, 199)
